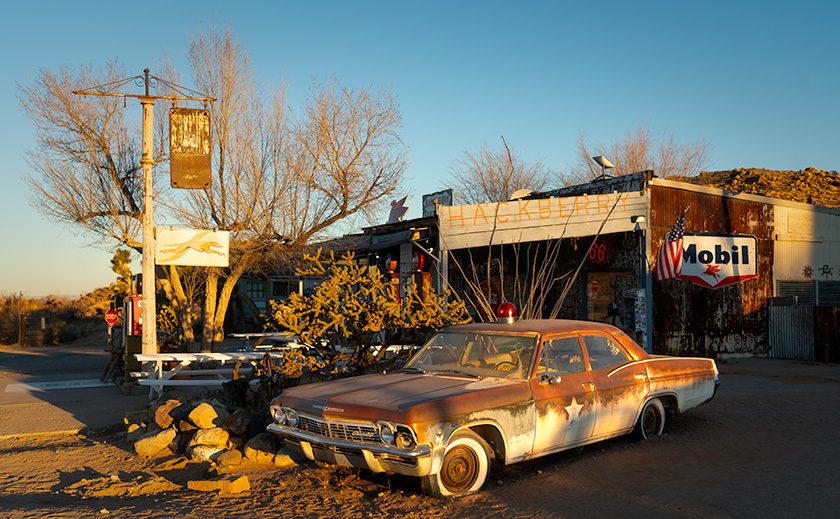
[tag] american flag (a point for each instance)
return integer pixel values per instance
(669, 257)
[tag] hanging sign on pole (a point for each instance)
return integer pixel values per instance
(189, 148)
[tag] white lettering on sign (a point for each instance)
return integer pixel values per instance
(716, 260)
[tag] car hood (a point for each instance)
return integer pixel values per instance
(403, 396)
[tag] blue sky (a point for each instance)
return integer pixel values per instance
(757, 79)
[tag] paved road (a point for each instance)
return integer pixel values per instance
(57, 389)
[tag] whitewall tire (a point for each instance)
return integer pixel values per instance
(466, 464)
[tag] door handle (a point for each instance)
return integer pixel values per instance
(641, 376)
(590, 386)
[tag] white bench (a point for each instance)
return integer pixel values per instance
(276, 337)
(161, 374)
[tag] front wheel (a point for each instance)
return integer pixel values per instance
(466, 464)
(651, 421)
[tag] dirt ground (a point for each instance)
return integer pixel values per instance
(767, 446)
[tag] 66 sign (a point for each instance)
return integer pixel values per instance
(602, 251)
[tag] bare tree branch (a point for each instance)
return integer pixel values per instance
(638, 151)
(489, 175)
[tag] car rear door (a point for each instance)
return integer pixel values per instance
(564, 395)
(621, 383)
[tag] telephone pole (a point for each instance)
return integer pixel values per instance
(149, 322)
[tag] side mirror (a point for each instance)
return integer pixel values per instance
(550, 379)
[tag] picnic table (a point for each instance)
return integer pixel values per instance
(165, 367)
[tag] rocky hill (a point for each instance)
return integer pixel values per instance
(809, 185)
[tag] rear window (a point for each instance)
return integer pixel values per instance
(603, 352)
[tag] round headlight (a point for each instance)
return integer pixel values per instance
(278, 415)
(405, 441)
(386, 433)
(291, 417)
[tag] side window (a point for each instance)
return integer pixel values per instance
(562, 356)
(603, 352)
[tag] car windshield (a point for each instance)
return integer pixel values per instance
(479, 354)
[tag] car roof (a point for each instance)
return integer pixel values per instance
(539, 326)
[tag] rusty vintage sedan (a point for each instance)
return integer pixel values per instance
(478, 394)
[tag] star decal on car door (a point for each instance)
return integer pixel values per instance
(573, 410)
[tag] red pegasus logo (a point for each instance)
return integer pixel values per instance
(712, 270)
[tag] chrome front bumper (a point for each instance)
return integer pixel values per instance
(371, 456)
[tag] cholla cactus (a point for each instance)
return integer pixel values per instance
(353, 311)
(424, 312)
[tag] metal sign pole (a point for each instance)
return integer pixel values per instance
(149, 322)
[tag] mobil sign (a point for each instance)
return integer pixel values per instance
(716, 260)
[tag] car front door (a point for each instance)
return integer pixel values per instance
(564, 396)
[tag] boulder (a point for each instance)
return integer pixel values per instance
(135, 432)
(186, 426)
(164, 414)
(181, 443)
(225, 485)
(214, 436)
(205, 452)
(154, 442)
(257, 425)
(229, 458)
(238, 422)
(236, 443)
(285, 458)
(262, 448)
(207, 416)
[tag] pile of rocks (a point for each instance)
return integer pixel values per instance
(205, 430)
(809, 185)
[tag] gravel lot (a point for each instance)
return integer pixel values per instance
(767, 446)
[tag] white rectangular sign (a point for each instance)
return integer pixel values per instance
(192, 247)
(464, 226)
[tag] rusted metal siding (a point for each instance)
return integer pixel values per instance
(722, 322)
(791, 332)
(826, 338)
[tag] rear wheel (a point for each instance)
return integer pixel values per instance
(465, 467)
(651, 421)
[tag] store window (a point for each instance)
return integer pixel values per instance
(255, 289)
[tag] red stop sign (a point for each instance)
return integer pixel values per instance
(111, 317)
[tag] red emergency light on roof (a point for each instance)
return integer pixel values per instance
(506, 312)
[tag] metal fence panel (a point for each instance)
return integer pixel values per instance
(791, 332)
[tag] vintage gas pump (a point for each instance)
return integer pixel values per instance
(392, 277)
(422, 279)
(133, 326)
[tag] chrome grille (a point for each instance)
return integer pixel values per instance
(339, 430)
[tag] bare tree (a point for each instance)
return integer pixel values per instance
(344, 157)
(493, 175)
(85, 169)
(281, 182)
(277, 182)
(638, 151)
